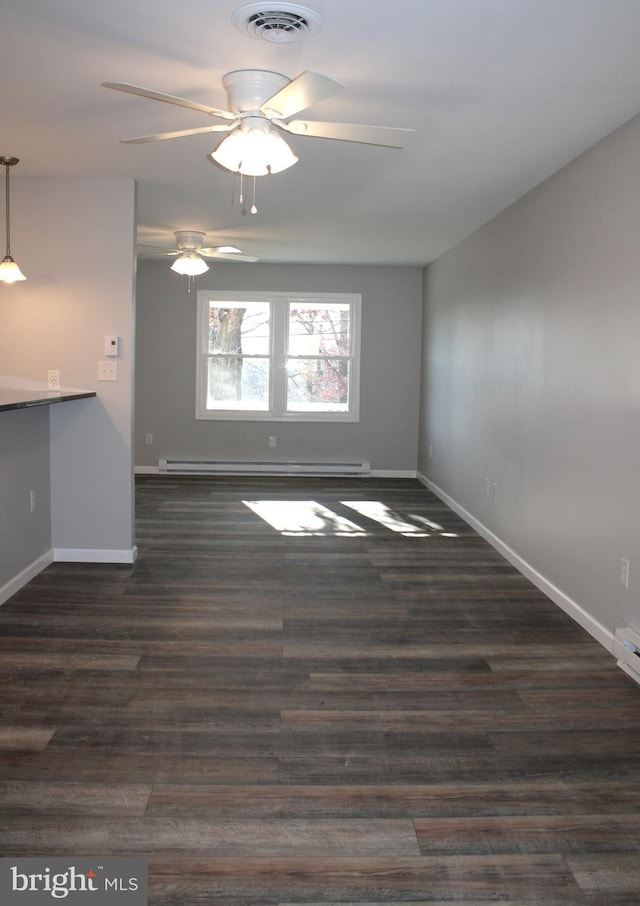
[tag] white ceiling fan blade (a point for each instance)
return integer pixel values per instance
(306, 89)
(388, 136)
(168, 99)
(163, 136)
(227, 256)
(153, 251)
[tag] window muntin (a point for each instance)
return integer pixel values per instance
(276, 356)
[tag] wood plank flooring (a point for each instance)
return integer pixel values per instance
(358, 702)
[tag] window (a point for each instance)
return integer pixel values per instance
(278, 356)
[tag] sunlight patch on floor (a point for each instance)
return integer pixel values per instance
(300, 518)
(303, 517)
(433, 525)
(380, 512)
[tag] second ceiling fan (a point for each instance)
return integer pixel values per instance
(189, 253)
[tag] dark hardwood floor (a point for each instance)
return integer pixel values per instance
(359, 704)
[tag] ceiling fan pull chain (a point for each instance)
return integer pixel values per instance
(233, 191)
(243, 210)
(254, 209)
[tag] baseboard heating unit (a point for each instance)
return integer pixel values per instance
(626, 647)
(256, 467)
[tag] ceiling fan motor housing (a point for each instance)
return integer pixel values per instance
(248, 89)
(189, 240)
(277, 22)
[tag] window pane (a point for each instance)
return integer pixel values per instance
(236, 383)
(239, 328)
(318, 329)
(318, 385)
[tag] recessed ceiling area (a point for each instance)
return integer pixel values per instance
(500, 93)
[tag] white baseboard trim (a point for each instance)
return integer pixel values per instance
(91, 555)
(147, 470)
(599, 632)
(24, 576)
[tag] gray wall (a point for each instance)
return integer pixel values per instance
(79, 287)
(387, 432)
(530, 411)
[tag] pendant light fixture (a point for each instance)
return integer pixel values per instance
(9, 270)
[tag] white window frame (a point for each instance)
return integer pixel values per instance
(278, 302)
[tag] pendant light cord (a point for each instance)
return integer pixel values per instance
(7, 209)
(8, 162)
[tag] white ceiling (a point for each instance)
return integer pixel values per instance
(501, 93)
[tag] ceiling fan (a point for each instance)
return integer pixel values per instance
(190, 253)
(258, 101)
(192, 241)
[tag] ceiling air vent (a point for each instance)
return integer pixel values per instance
(277, 23)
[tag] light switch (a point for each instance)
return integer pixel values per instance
(107, 371)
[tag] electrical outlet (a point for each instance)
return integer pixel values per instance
(273, 441)
(148, 438)
(53, 380)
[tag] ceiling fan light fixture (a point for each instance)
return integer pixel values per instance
(254, 151)
(190, 263)
(9, 270)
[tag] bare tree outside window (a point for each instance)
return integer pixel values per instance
(238, 356)
(225, 343)
(318, 364)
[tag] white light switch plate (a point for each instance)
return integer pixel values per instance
(108, 371)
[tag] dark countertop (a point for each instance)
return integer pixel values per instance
(13, 398)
